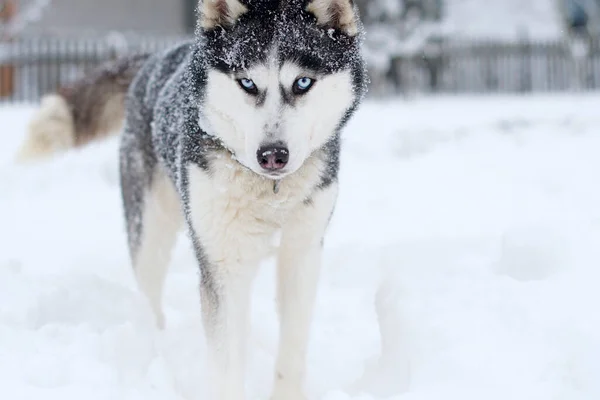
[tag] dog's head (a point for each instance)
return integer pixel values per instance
(283, 76)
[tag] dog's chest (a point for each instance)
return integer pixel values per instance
(233, 195)
(236, 213)
(257, 197)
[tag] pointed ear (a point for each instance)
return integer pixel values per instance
(337, 14)
(220, 12)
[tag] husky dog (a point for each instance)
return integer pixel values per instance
(236, 135)
(88, 109)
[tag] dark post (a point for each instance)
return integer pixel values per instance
(8, 10)
(525, 84)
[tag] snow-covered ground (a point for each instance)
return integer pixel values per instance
(467, 228)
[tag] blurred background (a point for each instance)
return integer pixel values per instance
(412, 46)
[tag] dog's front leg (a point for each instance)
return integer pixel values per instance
(228, 260)
(225, 297)
(298, 270)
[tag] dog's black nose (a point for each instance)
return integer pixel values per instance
(272, 158)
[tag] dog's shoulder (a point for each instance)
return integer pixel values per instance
(158, 100)
(159, 68)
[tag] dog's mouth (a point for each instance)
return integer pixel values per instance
(271, 175)
(274, 175)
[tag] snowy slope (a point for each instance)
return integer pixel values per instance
(467, 227)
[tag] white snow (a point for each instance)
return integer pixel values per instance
(467, 227)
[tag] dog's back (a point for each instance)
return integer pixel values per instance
(97, 100)
(87, 109)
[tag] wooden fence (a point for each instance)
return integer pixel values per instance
(31, 67)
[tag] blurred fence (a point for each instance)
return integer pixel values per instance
(31, 67)
(494, 67)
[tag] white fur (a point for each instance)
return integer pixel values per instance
(162, 219)
(233, 115)
(50, 131)
(299, 265)
(235, 215)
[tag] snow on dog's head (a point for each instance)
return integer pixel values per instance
(282, 77)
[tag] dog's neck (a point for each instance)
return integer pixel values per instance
(216, 144)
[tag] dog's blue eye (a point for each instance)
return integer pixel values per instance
(302, 85)
(248, 85)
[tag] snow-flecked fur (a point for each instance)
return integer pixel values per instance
(82, 111)
(262, 74)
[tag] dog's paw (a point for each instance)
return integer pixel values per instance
(283, 392)
(289, 396)
(157, 317)
(160, 320)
